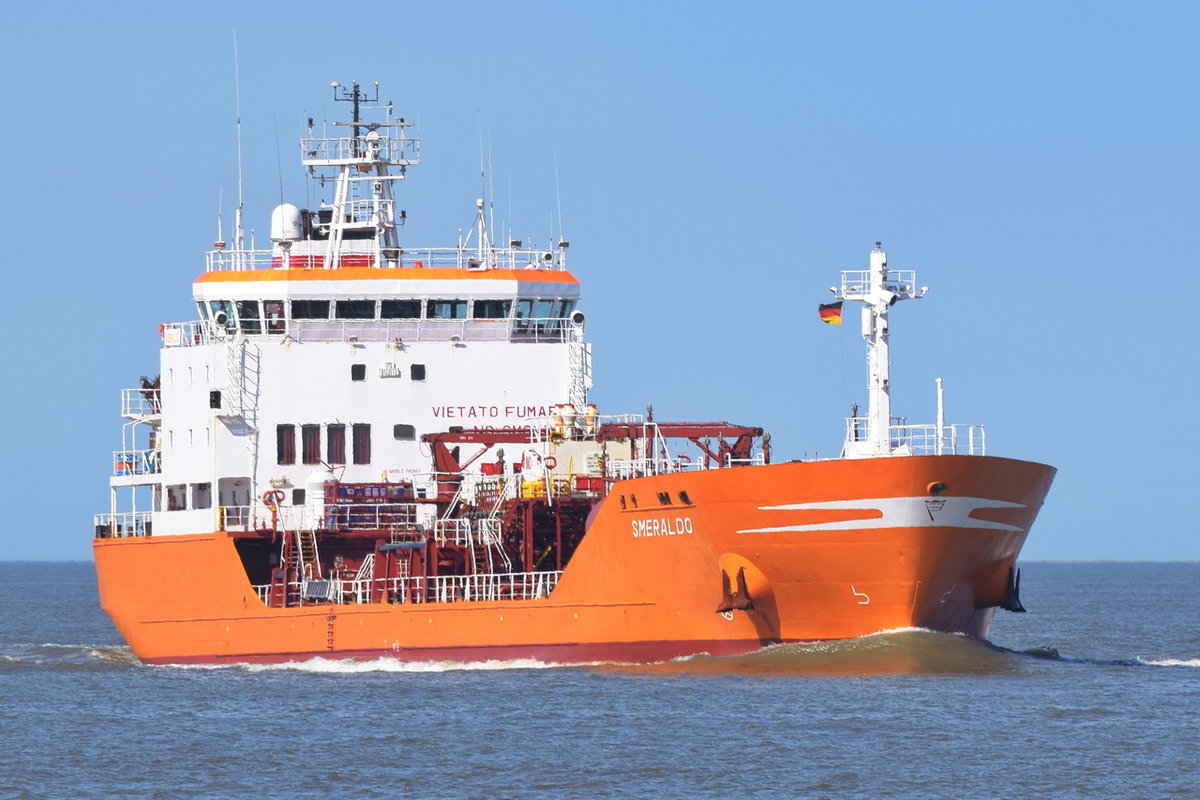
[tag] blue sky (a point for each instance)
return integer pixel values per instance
(718, 165)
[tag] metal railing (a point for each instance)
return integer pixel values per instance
(453, 531)
(485, 587)
(236, 518)
(857, 283)
(395, 331)
(380, 147)
(135, 462)
(929, 440)
(405, 258)
(363, 516)
(184, 334)
(140, 402)
(923, 440)
(122, 524)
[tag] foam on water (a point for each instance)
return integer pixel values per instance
(329, 666)
(1170, 662)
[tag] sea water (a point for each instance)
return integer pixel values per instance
(1093, 693)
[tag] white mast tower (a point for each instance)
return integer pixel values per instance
(878, 289)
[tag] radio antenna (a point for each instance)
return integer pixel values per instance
(558, 198)
(238, 235)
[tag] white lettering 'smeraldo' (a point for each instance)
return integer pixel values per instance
(662, 526)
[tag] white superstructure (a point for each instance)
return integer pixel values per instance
(329, 355)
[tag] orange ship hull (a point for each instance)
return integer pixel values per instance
(824, 550)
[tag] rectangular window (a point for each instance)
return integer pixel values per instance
(335, 444)
(297, 497)
(285, 444)
(358, 372)
(222, 316)
(361, 443)
(446, 309)
(400, 309)
(404, 432)
(491, 309)
(273, 311)
(201, 495)
(542, 314)
(521, 318)
(417, 372)
(310, 309)
(310, 439)
(354, 309)
(247, 311)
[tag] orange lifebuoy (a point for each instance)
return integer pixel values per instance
(272, 498)
(551, 462)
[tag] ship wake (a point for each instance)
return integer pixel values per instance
(84, 657)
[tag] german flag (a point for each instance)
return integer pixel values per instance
(831, 313)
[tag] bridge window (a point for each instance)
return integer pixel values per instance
(310, 309)
(355, 309)
(222, 315)
(276, 320)
(404, 432)
(400, 309)
(491, 309)
(247, 311)
(544, 313)
(521, 318)
(358, 372)
(446, 309)
(417, 372)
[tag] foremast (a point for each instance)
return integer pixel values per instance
(878, 289)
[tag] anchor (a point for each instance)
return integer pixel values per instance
(735, 601)
(1012, 602)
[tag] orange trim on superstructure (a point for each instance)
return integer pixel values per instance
(386, 274)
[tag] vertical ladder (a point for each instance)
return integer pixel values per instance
(579, 360)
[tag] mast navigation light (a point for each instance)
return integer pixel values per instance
(335, 85)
